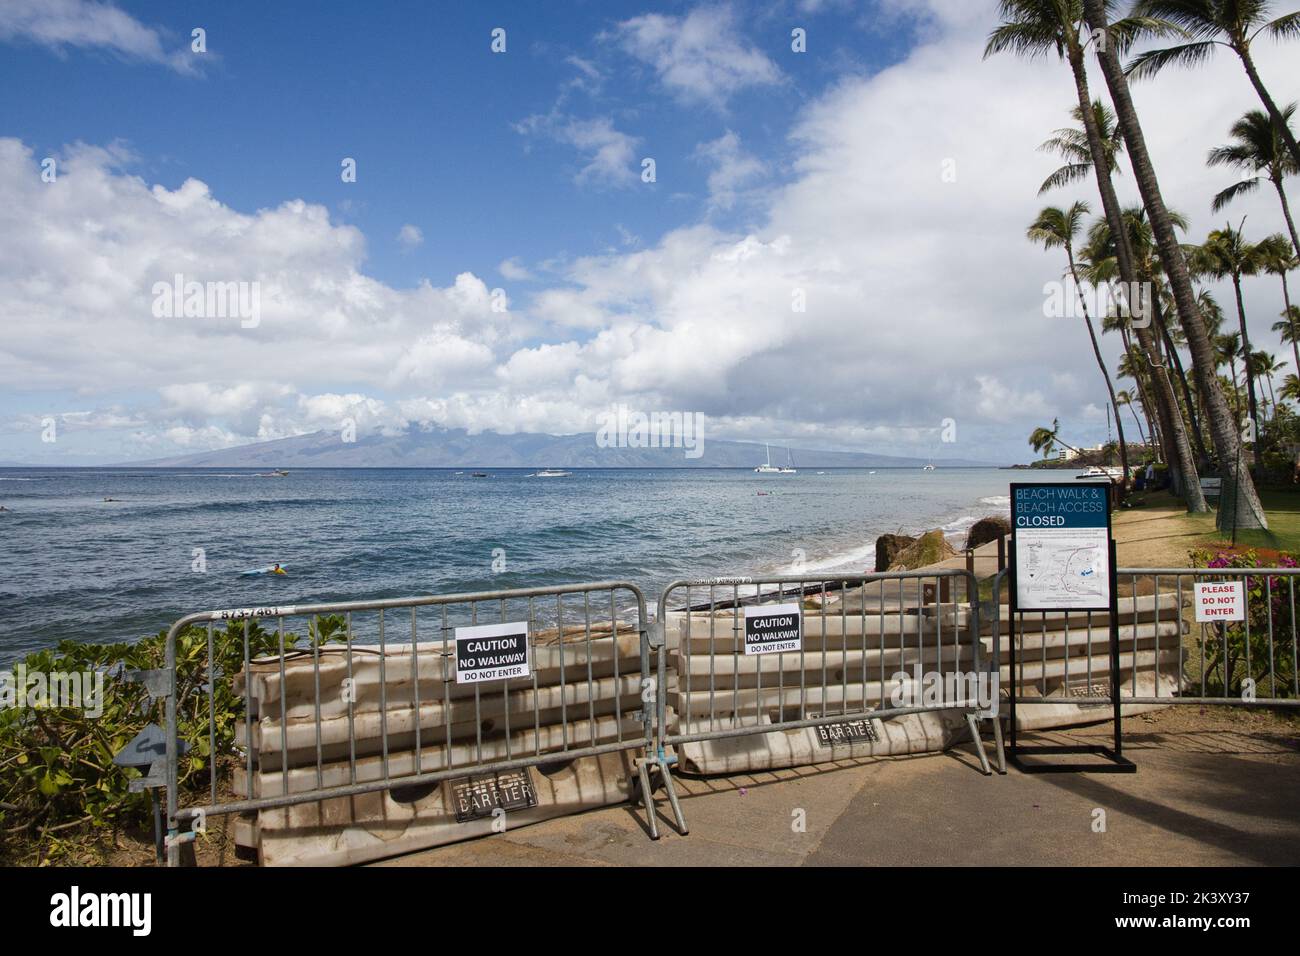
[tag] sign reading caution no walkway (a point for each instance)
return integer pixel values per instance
(1062, 549)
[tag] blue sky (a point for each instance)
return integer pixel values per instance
(413, 92)
(500, 263)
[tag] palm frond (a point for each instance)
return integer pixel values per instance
(1151, 62)
(1285, 27)
(1065, 176)
(1243, 188)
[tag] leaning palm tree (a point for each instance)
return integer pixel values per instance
(1035, 28)
(1257, 148)
(1071, 144)
(1045, 440)
(1208, 24)
(1240, 505)
(1056, 228)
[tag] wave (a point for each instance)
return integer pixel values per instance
(1001, 501)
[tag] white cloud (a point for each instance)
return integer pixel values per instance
(700, 57)
(609, 154)
(923, 299)
(410, 236)
(59, 24)
(514, 270)
(733, 169)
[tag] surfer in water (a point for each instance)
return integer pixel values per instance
(278, 570)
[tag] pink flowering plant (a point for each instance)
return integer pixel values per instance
(1238, 651)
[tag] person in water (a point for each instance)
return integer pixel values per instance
(278, 570)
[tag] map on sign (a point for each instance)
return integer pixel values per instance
(1062, 546)
(1061, 570)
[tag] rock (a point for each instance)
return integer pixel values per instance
(887, 548)
(986, 530)
(931, 548)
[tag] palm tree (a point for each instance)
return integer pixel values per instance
(1290, 389)
(1133, 364)
(1276, 257)
(1056, 228)
(1289, 329)
(1046, 439)
(1125, 397)
(1257, 148)
(1036, 28)
(1226, 349)
(1071, 143)
(1226, 254)
(1265, 365)
(1207, 24)
(1243, 506)
(1101, 255)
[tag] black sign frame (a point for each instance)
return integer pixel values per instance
(1113, 759)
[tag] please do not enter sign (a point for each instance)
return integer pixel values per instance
(1220, 601)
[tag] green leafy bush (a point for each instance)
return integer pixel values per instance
(1231, 657)
(56, 763)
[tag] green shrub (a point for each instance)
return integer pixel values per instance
(1230, 657)
(56, 763)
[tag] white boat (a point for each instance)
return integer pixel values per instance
(1096, 471)
(928, 468)
(769, 468)
(552, 473)
(789, 464)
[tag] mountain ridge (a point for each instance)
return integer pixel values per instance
(456, 448)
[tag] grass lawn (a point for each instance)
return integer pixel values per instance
(1156, 531)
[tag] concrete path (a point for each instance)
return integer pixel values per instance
(1221, 794)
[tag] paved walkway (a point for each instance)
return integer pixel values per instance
(1221, 795)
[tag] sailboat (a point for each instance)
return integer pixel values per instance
(789, 464)
(769, 468)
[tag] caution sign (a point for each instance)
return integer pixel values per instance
(1220, 601)
(773, 628)
(491, 652)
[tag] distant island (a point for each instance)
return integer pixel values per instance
(456, 448)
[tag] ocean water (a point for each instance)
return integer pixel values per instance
(73, 565)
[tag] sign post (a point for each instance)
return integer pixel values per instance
(1063, 561)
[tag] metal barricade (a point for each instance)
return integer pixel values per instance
(349, 711)
(1166, 656)
(859, 637)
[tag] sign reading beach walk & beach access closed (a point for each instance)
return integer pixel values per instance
(1220, 601)
(773, 628)
(491, 652)
(1062, 546)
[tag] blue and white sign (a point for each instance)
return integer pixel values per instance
(1062, 546)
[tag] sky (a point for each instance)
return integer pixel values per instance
(556, 209)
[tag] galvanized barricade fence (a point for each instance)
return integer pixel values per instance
(349, 712)
(860, 635)
(1166, 656)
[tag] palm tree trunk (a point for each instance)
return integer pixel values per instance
(1243, 506)
(1141, 434)
(1286, 302)
(1105, 373)
(1251, 402)
(1243, 51)
(1286, 214)
(1178, 453)
(1202, 456)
